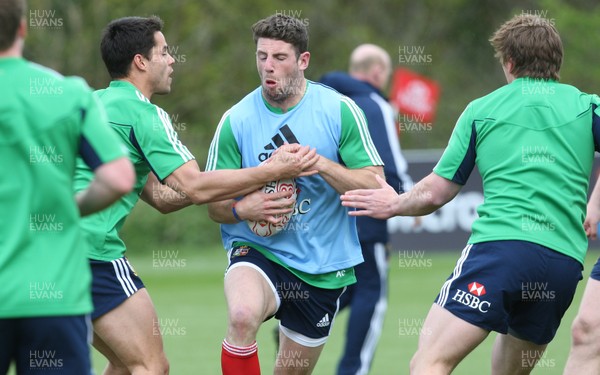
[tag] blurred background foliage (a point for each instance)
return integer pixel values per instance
(215, 67)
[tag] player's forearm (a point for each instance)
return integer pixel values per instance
(227, 184)
(221, 212)
(343, 179)
(162, 197)
(429, 194)
(203, 187)
(167, 200)
(96, 197)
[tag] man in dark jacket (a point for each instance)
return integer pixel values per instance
(370, 68)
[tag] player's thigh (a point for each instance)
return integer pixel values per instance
(250, 285)
(447, 338)
(513, 356)
(58, 344)
(294, 358)
(106, 351)
(543, 296)
(132, 330)
(113, 282)
(588, 316)
(306, 315)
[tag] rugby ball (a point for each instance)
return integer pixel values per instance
(264, 228)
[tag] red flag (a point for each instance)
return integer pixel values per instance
(415, 95)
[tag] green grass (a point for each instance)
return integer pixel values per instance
(189, 297)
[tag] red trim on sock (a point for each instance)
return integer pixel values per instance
(239, 360)
(242, 351)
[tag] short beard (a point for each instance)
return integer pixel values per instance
(280, 95)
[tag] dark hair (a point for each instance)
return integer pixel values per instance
(126, 37)
(285, 28)
(11, 13)
(533, 45)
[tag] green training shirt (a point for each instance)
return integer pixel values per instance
(45, 120)
(153, 145)
(533, 143)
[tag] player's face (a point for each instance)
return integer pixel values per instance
(161, 66)
(281, 71)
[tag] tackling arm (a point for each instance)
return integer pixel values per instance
(163, 198)
(428, 195)
(203, 187)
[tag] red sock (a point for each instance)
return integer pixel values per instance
(239, 360)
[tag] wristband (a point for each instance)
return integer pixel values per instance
(239, 219)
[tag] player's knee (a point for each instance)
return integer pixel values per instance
(116, 369)
(244, 320)
(415, 363)
(158, 365)
(412, 365)
(164, 366)
(420, 364)
(585, 330)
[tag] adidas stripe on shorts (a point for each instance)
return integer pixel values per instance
(112, 283)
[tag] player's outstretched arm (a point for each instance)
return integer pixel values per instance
(256, 206)
(217, 185)
(429, 194)
(111, 181)
(162, 197)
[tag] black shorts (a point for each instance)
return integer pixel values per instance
(112, 283)
(515, 287)
(46, 345)
(306, 313)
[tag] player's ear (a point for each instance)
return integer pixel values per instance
(22, 30)
(140, 62)
(303, 60)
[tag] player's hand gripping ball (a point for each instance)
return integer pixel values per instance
(265, 229)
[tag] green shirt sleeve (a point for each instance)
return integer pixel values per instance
(356, 146)
(224, 152)
(458, 160)
(159, 142)
(99, 143)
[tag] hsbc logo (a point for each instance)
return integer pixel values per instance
(471, 298)
(285, 134)
(476, 289)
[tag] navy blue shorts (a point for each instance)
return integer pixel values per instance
(112, 283)
(596, 271)
(44, 345)
(305, 312)
(515, 287)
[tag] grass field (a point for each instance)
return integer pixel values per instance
(186, 286)
(187, 289)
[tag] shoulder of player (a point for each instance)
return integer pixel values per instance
(245, 108)
(67, 84)
(134, 101)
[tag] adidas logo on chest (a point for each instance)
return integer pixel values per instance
(284, 134)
